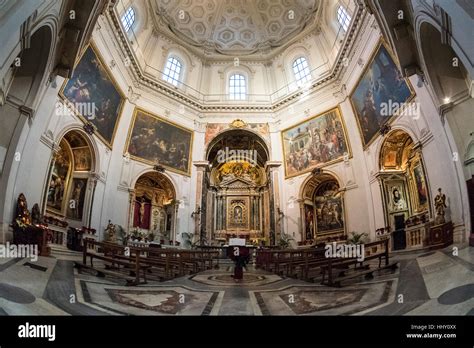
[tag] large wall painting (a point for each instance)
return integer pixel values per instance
(94, 95)
(316, 142)
(156, 141)
(213, 129)
(380, 93)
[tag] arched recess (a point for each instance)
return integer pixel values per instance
(322, 208)
(444, 69)
(153, 208)
(405, 191)
(69, 188)
(237, 193)
(22, 96)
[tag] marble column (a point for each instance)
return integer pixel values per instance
(131, 210)
(272, 170)
(201, 200)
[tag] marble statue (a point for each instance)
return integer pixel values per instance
(440, 206)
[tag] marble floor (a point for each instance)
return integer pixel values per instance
(426, 283)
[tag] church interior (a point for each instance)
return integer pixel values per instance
(234, 157)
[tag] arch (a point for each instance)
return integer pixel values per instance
(166, 176)
(225, 134)
(448, 83)
(396, 128)
(322, 208)
(90, 140)
(23, 96)
(469, 154)
(29, 76)
(153, 207)
(312, 177)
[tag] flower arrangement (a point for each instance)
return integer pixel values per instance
(139, 234)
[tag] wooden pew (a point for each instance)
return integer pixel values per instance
(350, 268)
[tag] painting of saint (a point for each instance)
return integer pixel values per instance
(422, 193)
(82, 159)
(238, 215)
(398, 201)
(309, 222)
(380, 92)
(329, 207)
(77, 197)
(60, 173)
(155, 141)
(93, 94)
(316, 142)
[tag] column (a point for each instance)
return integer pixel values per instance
(272, 170)
(201, 200)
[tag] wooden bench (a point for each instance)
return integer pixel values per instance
(350, 268)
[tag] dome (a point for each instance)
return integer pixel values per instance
(235, 27)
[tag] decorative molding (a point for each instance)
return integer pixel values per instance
(135, 69)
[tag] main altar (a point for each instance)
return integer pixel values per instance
(237, 191)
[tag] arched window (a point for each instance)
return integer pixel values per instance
(237, 87)
(343, 17)
(173, 71)
(301, 71)
(128, 19)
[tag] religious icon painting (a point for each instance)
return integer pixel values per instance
(313, 143)
(154, 141)
(94, 95)
(380, 94)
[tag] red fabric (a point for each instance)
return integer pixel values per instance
(146, 217)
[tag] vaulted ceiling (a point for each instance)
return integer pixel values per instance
(235, 27)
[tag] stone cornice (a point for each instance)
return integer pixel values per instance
(141, 80)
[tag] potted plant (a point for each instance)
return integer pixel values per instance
(357, 238)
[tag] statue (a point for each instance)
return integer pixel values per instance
(110, 232)
(22, 217)
(141, 211)
(440, 206)
(36, 216)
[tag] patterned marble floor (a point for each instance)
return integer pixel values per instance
(429, 283)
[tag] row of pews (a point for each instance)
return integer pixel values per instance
(312, 264)
(137, 265)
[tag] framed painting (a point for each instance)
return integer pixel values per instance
(237, 213)
(154, 141)
(397, 197)
(59, 182)
(309, 221)
(316, 142)
(93, 95)
(329, 208)
(82, 159)
(77, 197)
(420, 187)
(380, 94)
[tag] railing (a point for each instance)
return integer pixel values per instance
(265, 100)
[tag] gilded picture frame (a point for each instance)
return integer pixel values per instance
(291, 154)
(105, 105)
(367, 138)
(133, 149)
